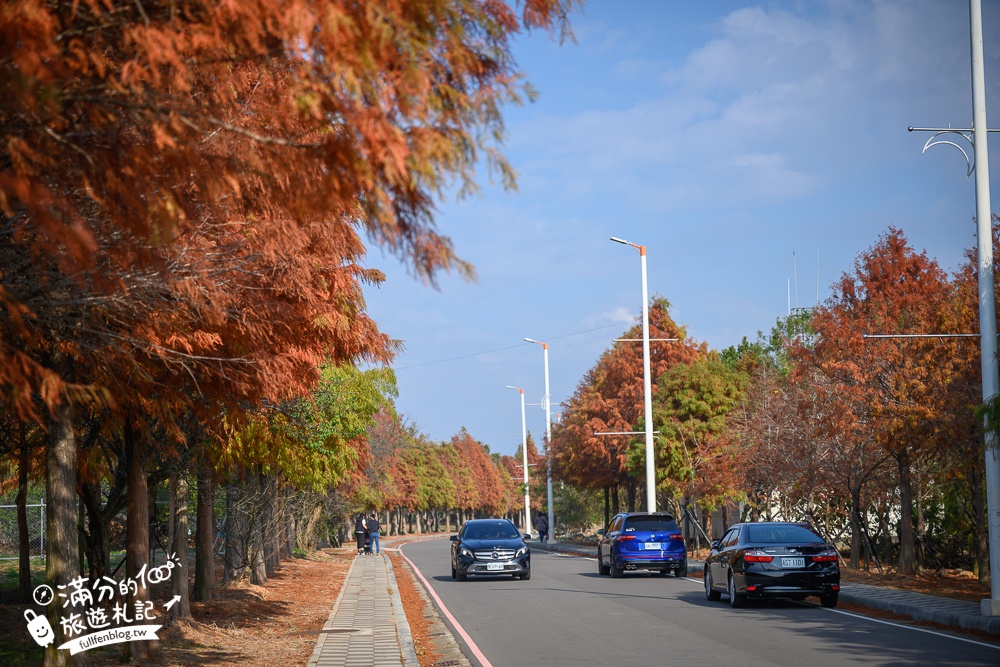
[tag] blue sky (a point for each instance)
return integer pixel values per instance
(724, 136)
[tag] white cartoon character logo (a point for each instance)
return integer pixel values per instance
(39, 628)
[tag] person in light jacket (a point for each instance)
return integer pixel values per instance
(542, 526)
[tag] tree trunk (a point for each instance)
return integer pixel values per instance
(61, 558)
(607, 507)
(907, 551)
(179, 546)
(630, 489)
(981, 537)
(204, 539)
(232, 557)
(855, 528)
(615, 504)
(24, 539)
(289, 544)
(256, 548)
(137, 540)
(884, 527)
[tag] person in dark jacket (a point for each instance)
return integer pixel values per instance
(361, 532)
(373, 528)
(542, 526)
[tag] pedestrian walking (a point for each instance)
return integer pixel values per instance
(373, 528)
(361, 532)
(542, 526)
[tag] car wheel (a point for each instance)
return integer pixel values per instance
(664, 572)
(735, 601)
(616, 572)
(829, 601)
(526, 576)
(454, 575)
(461, 576)
(681, 572)
(711, 594)
(602, 570)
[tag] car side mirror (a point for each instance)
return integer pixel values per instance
(454, 538)
(715, 544)
(601, 531)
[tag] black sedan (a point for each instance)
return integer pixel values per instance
(489, 546)
(772, 559)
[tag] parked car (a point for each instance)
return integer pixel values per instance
(490, 546)
(642, 541)
(772, 559)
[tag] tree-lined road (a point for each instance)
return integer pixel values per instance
(569, 615)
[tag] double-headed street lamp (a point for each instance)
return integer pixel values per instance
(524, 455)
(546, 403)
(646, 384)
(980, 163)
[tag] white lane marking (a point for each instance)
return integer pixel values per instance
(914, 628)
(458, 626)
(878, 620)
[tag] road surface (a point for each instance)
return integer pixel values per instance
(567, 614)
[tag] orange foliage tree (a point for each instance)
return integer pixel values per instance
(897, 385)
(610, 398)
(184, 186)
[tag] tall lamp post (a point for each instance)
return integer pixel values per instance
(987, 298)
(646, 384)
(546, 403)
(524, 455)
(977, 136)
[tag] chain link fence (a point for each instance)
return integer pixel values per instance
(9, 539)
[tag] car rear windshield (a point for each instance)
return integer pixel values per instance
(771, 534)
(501, 530)
(652, 524)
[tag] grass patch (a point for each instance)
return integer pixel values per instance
(9, 576)
(14, 654)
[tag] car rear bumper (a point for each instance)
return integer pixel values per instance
(627, 562)
(786, 584)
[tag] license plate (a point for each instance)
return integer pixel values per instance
(793, 562)
(499, 566)
(652, 546)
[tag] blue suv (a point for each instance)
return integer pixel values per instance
(642, 541)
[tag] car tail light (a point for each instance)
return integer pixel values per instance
(751, 588)
(676, 536)
(757, 557)
(835, 587)
(825, 558)
(624, 538)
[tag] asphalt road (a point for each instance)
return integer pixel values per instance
(568, 615)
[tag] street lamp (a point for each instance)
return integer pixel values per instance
(646, 384)
(524, 455)
(546, 402)
(987, 293)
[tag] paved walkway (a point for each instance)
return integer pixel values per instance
(368, 628)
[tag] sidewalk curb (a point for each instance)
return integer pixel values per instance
(406, 644)
(952, 619)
